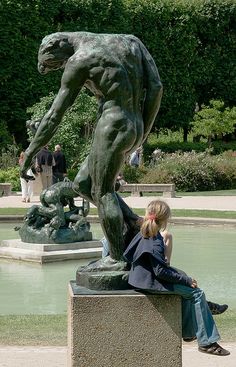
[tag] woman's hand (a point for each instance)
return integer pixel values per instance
(194, 283)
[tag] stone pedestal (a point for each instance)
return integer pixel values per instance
(43, 253)
(123, 329)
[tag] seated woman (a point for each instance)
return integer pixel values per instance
(151, 272)
(215, 308)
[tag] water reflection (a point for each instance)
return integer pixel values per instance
(206, 253)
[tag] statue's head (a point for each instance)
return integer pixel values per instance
(54, 52)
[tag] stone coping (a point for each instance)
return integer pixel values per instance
(78, 290)
(173, 220)
(17, 243)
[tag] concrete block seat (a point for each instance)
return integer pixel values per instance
(5, 189)
(123, 328)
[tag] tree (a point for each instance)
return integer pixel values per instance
(76, 129)
(214, 120)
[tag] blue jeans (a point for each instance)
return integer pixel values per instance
(197, 319)
(105, 247)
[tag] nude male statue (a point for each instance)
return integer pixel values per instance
(123, 76)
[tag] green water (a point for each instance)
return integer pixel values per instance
(206, 253)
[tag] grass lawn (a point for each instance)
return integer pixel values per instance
(194, 193)
(175, 213)
(13, 211)
(208, 193)
(45, 330)
(33, 330)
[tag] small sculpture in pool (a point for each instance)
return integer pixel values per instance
(50, 223)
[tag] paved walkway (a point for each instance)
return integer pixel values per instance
(184, 202)
(57, 357)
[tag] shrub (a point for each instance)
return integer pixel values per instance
(11, 175)
(71, 174)
(133, 174)
(191, 171)
(225, 170)
(171, 144)
(9, 157)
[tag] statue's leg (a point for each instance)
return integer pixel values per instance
(132, 221)
(129, 216)
(82, 182)
(115, 135)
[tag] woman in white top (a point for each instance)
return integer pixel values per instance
(26, 185)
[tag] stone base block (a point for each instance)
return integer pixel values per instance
(43, 253)
(123, 329)
(5, 189)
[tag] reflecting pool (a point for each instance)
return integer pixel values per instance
(206, 253)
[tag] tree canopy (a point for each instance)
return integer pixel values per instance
(192, 42)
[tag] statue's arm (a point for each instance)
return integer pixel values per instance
(72, 81)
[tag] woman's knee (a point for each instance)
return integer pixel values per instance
(198, 293)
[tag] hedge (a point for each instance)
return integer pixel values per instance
(11, 175)
(218, 147)
(191, 171)
(192, 42)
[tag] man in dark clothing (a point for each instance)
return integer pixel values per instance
(59, 170)
(44, 164)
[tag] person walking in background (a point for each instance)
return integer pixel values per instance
(26, 185)
(59, 170)
(135, 158)
(156, 155)
(44, 164)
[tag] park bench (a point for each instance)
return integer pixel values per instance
(168, 190)
(5, 189)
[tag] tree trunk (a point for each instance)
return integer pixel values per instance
(185, 136)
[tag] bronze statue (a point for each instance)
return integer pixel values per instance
(123, 76)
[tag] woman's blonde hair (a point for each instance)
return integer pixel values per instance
(156, 218)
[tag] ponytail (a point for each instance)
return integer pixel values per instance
(156, 217)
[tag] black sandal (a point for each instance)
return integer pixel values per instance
(217, 309)
(214, 349)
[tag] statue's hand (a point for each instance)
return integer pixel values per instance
(33, 125)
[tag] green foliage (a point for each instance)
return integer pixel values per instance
(76, 128)
(71, 173)
(192, 42)
(191, 171)
(23, 24)
(5, 137)
(133, 174)
(11, 175)
(170, 142)
(214, 120)
(9, 157)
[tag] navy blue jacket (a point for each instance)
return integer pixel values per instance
(149, 269)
